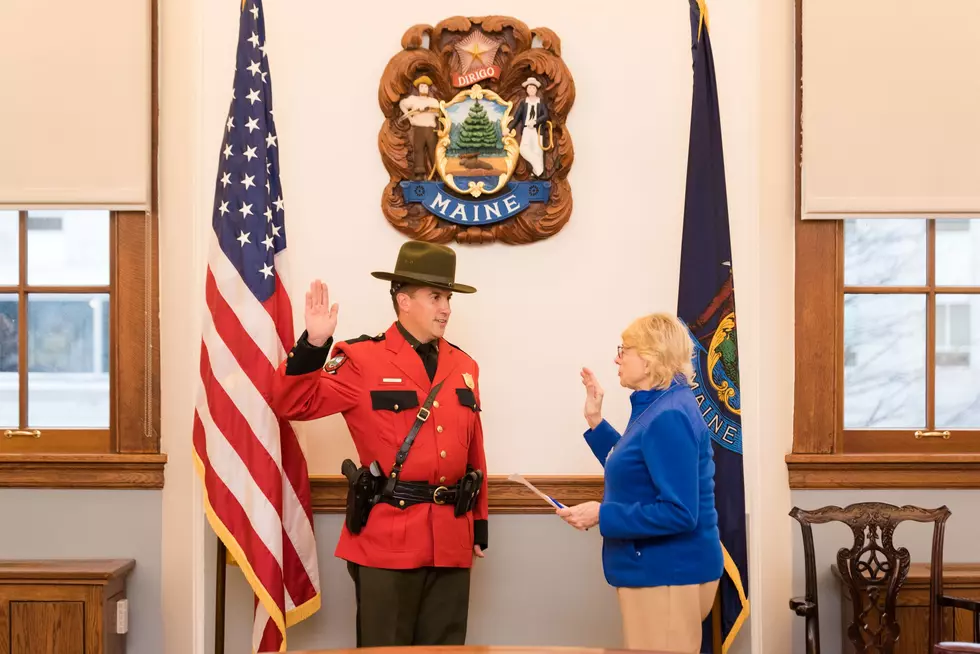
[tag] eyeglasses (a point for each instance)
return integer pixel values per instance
(619, 351)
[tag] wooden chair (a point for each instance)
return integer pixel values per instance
(874, 571)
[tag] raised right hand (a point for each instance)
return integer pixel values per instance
(593, 398)
(321, 318)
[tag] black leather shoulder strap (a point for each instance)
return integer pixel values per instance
(420, 419)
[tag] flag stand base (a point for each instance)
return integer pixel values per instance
(221, 565)
(716, 641)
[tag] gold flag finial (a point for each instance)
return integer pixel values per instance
(703, 20)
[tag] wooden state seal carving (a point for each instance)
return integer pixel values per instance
(474, 137)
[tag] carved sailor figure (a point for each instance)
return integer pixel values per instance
(531, 114)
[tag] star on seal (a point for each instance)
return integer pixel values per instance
(476, 51)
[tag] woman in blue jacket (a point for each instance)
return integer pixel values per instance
(661, 548)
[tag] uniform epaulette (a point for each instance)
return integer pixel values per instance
(458, 348)
(365, 337)
(340, 358)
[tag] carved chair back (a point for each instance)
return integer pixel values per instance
(873, 570)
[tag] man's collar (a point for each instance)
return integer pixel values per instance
(414, 342)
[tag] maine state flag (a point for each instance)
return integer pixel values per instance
(706, 303)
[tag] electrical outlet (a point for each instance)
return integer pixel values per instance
(122, 616)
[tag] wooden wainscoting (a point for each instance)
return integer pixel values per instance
(81, 471)
(330, 492)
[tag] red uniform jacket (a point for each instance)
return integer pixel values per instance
(378, 384)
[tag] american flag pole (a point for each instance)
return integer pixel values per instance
(252, 467)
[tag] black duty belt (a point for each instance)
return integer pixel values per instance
(408, 493)
(369, 485)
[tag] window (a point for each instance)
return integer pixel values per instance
(887, 323)
(952, 226)
(78, 324)
(905, 298)
(953, 334)
(888, 353)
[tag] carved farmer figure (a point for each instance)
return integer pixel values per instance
(422, 112)
(531, 114)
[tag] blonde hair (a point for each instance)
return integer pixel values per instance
(664, 342)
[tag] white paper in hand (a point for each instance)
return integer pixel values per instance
(550, 500)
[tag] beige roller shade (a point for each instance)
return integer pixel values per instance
(891, 108)
(75, 103)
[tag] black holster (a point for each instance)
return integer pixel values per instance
(364, 485)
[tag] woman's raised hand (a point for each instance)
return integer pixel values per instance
(593, 398)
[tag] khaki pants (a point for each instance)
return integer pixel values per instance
(665, 618)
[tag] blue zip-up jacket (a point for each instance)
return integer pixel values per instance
(657, 518)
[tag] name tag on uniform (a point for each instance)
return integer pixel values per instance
(391, 380)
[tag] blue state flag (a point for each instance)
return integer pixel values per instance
(706, 303)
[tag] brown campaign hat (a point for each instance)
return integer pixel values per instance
(426, 264)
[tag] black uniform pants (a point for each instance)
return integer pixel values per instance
(424, 606)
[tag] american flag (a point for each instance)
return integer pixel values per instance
(254, 472)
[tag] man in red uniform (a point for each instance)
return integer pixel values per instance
(412, 403)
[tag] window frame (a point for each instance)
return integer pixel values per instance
(824, 455)
(136, 461)
(27, 438)
(127, 453)
(932, 439)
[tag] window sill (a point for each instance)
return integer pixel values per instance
(834, 471)
(116, 471)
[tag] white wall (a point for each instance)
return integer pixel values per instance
(773, 352)
(548, 309)
(555, 306)
(183, 217)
